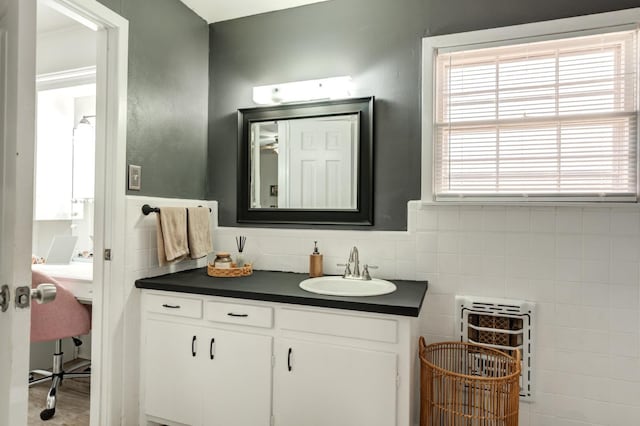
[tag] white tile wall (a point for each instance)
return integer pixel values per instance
(580, 264)
(142, 257)
(142, 261)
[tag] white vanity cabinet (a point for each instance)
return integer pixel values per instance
(197, 375)
(237, 384)
(346, 363)
(322, 384)
(172, 372)
(220, 361)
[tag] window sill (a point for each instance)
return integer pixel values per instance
(486, 203)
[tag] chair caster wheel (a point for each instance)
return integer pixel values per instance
(47, 413)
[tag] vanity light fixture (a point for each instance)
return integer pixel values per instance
(300, 91)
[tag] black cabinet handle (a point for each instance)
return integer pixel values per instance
(213, 341)
(193, 346)
(289, 360)
(171, 306)
(231, 314)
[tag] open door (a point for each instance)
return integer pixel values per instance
(17, 135)
(17, 141)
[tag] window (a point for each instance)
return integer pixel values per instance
(551, 118)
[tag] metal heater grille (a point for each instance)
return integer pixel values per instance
(502, 324)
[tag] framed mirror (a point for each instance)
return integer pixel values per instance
(308, 163)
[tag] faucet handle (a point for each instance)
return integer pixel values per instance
(347, 269)
(365, 271)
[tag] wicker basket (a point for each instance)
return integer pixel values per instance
(233, 272)
(468, 384)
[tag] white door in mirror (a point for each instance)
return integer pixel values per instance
(338, 286)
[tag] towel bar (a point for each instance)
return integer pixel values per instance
(146, 209)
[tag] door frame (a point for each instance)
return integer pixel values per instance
(109, 218)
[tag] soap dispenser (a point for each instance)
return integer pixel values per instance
(315, 262)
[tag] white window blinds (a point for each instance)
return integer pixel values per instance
(546, 119)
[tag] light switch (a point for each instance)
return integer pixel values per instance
(135, 176)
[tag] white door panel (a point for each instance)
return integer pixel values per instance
(237, 379)
(320, 384)
(17, 135)
(321, 163)
(173, 374)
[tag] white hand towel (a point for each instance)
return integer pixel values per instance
(171, 234)
(199, 232)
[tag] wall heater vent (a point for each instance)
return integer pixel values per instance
(502, 324)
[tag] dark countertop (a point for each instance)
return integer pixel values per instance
(283, 287)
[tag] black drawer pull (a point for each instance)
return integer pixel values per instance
(193, 346)
(289, 360)
(213, 341)
(231, 314)
(164, 305)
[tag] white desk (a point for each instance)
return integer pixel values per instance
(76, 276)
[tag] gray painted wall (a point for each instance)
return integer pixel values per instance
(167, 96)
(378, 43)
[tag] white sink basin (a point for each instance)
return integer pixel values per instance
(338, 286)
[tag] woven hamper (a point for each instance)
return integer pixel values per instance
(464, 384)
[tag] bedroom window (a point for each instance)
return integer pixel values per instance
(545, 119)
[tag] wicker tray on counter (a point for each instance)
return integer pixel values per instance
(232, 272)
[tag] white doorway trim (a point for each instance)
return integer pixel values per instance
(109, 221)
(60, 79)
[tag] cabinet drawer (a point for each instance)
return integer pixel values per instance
(366, 328)
(173, 305)
(234, 313)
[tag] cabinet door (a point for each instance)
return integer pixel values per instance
(172, 377)
(237, 379)
(319, 384)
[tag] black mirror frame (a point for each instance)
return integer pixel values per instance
(362, 215)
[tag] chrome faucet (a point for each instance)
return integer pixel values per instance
(354, 258)
(354, 274)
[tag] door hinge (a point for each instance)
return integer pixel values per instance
(107, 254)
(398, 381)
(272, 421)
(273, 361)
(5, 297)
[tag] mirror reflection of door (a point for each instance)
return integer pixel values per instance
(306, 163)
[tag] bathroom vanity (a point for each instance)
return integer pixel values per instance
(260, 351)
